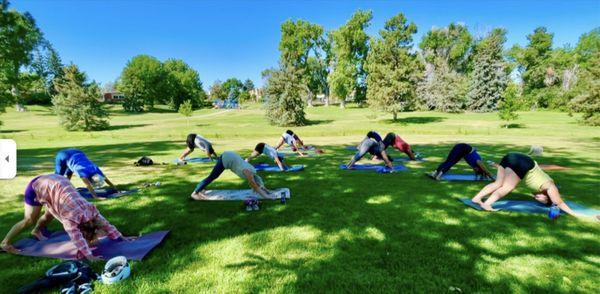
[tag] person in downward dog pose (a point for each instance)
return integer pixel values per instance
(372, 147)
(291, 140)
(458, 152)
(262, 148)
(69, 161)
(513, 168)
(397, 143)
(81, 220)
(232, 161)
(194, 141)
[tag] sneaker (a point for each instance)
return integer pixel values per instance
(255, 207)
(248, 208)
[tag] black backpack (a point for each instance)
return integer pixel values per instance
(144, 161)
(67, 273)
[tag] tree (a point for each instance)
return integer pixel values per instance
(393, 68)
(452, 44)
(284, 97)
(248, 85)
(350, 47)
(489, 76)
(442, 88)
(216, 91)
(509, 104)
(587, 47)
(19, 35)
(186, 109)
(77, 102)
(588, 89)
(182, 83)
(232, 88)
(142, 81)
(47, 64)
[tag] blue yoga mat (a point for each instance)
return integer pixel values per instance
(105, 193)
(531, 206)
(374, 167)
(462, 177)
(196, 160)
(275, 168)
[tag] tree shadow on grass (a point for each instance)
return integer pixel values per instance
(9, 131)
(123, 127)
(416, 120)
(514, 126)
(314, 122)
(346, 231)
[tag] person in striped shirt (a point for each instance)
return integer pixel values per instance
(81, 220)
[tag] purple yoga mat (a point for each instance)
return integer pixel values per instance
(59, 245)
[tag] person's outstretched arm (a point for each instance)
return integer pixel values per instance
(90, 188)
(279, 144)
(110, 184)
(280, 163)
(252, 156)
(484, 170)
(386, 159)
(554, 196)
(250, 177)
(187, 152)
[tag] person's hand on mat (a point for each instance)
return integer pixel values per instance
(9, 248)
(127, 239)
(93, 258)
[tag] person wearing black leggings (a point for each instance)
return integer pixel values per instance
(458, 152)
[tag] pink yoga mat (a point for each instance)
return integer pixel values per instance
(59, 245)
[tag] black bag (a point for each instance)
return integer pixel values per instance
(65, 273)
(144, 161)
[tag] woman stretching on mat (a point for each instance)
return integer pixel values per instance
(458, 152)
(396, 142)
(69, 161)
(291, 140)
(80, 219)
(232, 161)
(513, 168)
(262, 148)
(374, 148)
(194, 141)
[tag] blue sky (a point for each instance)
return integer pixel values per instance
(223, 39)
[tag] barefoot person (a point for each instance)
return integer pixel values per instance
(69, 161)
(80, 219)
(232, 161)
(262, 148)
(194, 141)
(372, 147)
(513, 168)
(469, 154)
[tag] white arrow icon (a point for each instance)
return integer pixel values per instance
(8, 152)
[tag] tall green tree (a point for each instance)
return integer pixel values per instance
(248, 85)
(350, 47)
(142, 81)
(587, 99)
(182, 83)
(216, 91)
(587, 48)
(509, 104)
(453, 44)
(232, 88)
(284, 93)
(489, 77)
(77, 102)
(442, 88)
(393, 68)
(19, 35)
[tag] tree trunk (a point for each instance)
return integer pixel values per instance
(343, 102)
(395, 116)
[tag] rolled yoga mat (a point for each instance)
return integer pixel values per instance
(235, 195)
(105, 193)
(374, 167)
(529, 206)
(275, 168)
(59, 245)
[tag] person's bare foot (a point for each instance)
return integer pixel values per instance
(38, 235)
(9, 248)
(487, 207)
(477, 201)
(198, 195)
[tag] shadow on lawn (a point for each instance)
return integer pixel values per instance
(416, 120)
(9, 131)
(123, 127)
(385, 233)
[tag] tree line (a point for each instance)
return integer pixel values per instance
(450, 70)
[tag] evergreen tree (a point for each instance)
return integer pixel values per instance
(77, 102)
(442, 89)
(588, 89)
(509, 104)
(284, 92)
(393, 68)
(489, 77)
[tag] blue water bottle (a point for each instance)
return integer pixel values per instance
(554, 212)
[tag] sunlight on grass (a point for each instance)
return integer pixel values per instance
(379, 200)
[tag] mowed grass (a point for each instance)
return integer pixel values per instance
(342, 231)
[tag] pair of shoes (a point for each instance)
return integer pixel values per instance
(255, 207)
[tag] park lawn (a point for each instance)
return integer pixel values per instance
(342, 231)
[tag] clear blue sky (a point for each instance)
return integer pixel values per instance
(223, 39)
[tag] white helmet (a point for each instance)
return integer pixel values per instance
(116, 270)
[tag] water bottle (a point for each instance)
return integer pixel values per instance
(554, 212)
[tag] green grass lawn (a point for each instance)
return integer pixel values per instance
(342, 231)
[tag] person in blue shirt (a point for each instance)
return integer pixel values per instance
(70, 161)
(469, 154)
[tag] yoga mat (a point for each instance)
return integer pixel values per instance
(461, 177)
(105, 193)
(351, 148)
(374, 167)
(228, 195)
(59, 245)
(310, 152)
(195, 160)
(275, 168)
(531, 206)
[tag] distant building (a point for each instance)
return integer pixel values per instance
(113, 97)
